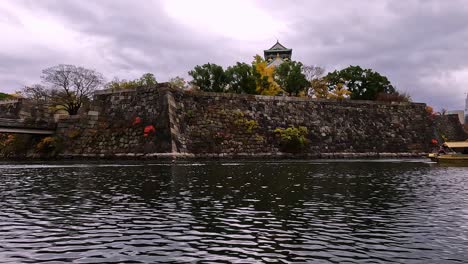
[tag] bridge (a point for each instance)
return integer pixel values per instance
(19, 126)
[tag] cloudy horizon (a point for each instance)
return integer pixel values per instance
(419, 45)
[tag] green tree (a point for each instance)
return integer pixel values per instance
(290, 78)
(178, 82)
(209, 77)
(364, 84)
(146, 79)
(241, 79)
(117, 84)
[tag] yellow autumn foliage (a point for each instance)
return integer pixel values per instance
(339, 93)
(320, 87)
(266, 84)
(49, 145)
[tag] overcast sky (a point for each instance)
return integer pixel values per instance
(421, 46)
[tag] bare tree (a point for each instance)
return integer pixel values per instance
(73, 85)
(313, 72)
(37, 92)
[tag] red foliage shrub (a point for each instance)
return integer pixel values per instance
(149, 129)
(137, 121)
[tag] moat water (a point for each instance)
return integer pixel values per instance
(234, 212)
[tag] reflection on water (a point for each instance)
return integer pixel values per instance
(239, 212)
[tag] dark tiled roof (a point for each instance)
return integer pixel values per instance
(278, 47)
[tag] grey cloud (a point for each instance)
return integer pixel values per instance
(411, 41)
(137, 35)
(143, 27)
(415, 43)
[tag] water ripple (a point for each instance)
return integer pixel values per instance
(236, 212)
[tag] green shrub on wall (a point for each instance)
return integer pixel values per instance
(248, 124)
(245, 123)
(292, 139)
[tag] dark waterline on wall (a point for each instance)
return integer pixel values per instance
(383, 211)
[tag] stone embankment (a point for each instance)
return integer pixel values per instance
(161, 122)
(28, 111)
(10, 109)
(449, 128)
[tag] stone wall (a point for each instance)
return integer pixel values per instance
(210, 124)
(449, 128)
(116, 122)
(10, 109)
(218, 123)
(31, 113)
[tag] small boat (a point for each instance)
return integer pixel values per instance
(452, 152)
